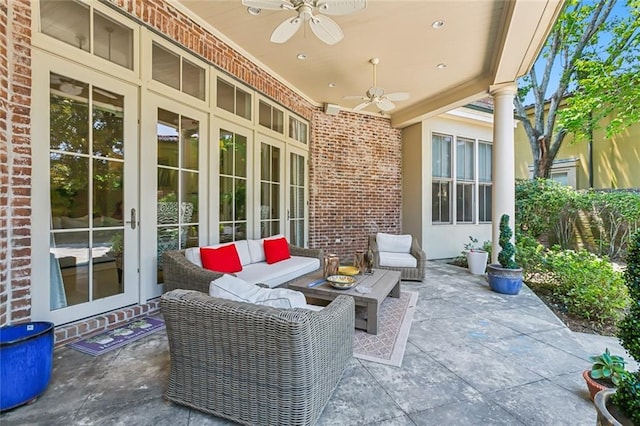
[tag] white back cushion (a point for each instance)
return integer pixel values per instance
(193, 253)
(234, 288)
(256, 248)
(393, 243)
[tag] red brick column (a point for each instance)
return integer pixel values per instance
(15, 161)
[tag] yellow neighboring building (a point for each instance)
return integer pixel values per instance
(613, 163)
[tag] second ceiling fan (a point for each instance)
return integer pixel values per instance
(325, 28)
(375, 95)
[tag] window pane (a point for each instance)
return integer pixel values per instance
(167, 135)
(464, 203)
(108, 124)
(278, 121)
(189, 197)
(190, 140)
(440, 202)
(264, 114)
(464, 159)
(240, 199)
(243, 104)
(240, 155)
(67, 21)
(69, 252)
(108, 183)
(112, 41)
(441, 155)
(484, 203)
(265, 161)
(165, 66)
(484, 161)
(193, 79)
(225, 97)
(226, 198)
(69, 189)
(226, 152)
(69, 115)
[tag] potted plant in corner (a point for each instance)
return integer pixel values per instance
(621, 406)
(476, 257)
(605, 373)
(505, 277)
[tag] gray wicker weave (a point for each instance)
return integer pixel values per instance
(255, 365)
(178, 272)
(407, 274)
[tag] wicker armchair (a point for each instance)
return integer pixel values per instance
(178, 272)
(408, 274)
(255, 365)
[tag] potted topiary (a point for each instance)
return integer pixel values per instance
(476, 257)
(505, 277)
(621, 406)
(605, 373)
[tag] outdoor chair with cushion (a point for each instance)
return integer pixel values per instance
(398, 253)
(252, 364)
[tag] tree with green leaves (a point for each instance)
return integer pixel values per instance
(594, 50)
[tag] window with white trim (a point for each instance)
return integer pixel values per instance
(460, 179)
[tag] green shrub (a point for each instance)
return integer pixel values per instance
(506, 256)
(627, 396)
(587, 285)
(530, 255)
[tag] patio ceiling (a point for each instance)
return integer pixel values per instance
(482, 42)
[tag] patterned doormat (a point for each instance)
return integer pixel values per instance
(387, 347)
(118, 337)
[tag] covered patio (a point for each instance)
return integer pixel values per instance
(473, 357)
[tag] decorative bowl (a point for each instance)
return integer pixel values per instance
(341, 282)
(348, 270)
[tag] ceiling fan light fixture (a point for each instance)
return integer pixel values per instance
(255, 11)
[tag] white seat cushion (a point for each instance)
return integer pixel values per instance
(193, 253)
(233, 288)
(278, 273)
(394, 243)
(398, 260)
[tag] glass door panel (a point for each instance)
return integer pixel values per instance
(297, 198)
(178, 191)
(233, 186)
(270, 190)
(87, 192)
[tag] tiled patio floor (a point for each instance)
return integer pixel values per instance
(474, 357)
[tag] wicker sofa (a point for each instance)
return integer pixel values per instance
(407, 273)
(255, 365)
(179, 272)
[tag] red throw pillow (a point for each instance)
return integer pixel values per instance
(276, 250)
(221, 259)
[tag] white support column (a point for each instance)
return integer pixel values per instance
(503, 164)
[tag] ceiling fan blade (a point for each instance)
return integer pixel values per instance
(397, 96)
(340, 7)
(385, 104)
(363, 98)
(286, 30)
(361, 106)
(326, 29)
(268, 4)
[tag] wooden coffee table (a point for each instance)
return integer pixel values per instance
(382, 283)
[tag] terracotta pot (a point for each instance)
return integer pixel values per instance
(594, 387)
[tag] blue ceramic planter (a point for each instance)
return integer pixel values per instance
(504, 281)
(26, 361)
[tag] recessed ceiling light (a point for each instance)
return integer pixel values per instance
(302, 56)
(332, 85)
(441, 65)
(254, 11)
(437, 24)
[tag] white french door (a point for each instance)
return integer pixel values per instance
(173, 181)
(85, 191)
(269, 203)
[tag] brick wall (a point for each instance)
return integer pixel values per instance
(355, 173)
(15, 161)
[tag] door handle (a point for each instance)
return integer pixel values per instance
(132, 222)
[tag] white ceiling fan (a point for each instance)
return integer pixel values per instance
(375, 95)
(322, 26)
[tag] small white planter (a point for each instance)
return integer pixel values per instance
(477, 261)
